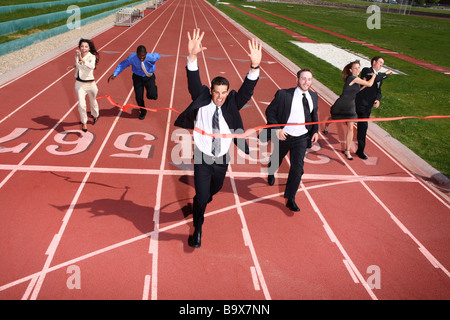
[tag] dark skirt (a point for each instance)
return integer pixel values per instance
(343, 108)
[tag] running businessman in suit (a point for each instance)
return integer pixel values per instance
(294, 105)
(143, 65)
(366, 98)
(213, 110)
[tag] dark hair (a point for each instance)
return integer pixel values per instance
(346, 71)
(141, 49)
(220, 81)
(375, 59)
(92, 49)
(299, 73)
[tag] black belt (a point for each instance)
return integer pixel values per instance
(200, 157)
(84, 81)
(288, 136)
(150, 75)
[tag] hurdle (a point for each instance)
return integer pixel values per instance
(128, 16)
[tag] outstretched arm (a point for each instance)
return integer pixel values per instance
(363, 82)
(255, 53)
(246, 91)
(195, 44)
(122, 66)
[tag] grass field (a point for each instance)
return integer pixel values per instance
(421, 92)
(20, 14)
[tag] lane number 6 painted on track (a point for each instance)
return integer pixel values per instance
(73, 142)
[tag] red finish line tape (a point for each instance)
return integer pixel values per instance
(125, 107)
(255, 129)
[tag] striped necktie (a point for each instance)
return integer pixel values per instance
(145, 70)
(215, 149)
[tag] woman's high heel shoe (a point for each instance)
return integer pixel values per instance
(95, 120)
(347, 154)
(84, 127)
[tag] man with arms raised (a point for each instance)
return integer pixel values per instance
(213, 110)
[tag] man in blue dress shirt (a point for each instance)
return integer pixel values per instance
(143, 68)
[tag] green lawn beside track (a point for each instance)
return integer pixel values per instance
(421, 92)
(19, 14)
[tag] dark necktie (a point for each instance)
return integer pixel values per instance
(306, 109)
(215, 149)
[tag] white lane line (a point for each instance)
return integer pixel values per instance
(428, 255)
(59, 79)
(145, 236)
(56, 240)
(248, 239)
(68, 112)
(401, 166)
(157, 209)
(255, 278)
(146, 291)
(175, 172)
(335, 240)
(34, 97)
(397, 221)
(328, 229)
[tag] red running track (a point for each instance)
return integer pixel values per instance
(103, 215)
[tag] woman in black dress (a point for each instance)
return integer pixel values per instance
(344, 107)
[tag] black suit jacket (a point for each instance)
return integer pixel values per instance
(279, 110)
(366, 97)
(201, 96)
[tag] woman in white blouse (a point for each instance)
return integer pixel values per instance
(86, 59)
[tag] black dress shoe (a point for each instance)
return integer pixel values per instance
(142, 115)
(196, 240)
(292, 205)
(95, 120)
(82, 127)
(362, 155)
(271, 179)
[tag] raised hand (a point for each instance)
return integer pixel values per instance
(195, 44)
(255, 52)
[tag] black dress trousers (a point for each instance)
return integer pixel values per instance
(296, 146)
(209, 175)
(139, 83)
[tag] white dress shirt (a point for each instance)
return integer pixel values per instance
(204, 121)
(297, 114)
